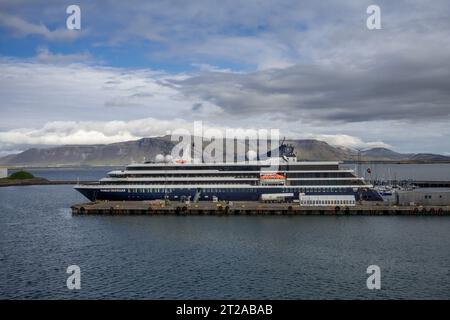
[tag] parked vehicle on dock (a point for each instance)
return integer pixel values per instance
(277, 197)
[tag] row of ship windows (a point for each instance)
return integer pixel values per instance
(253, 190)
(256, 175)
(168, 183)
(250, 183)
(326, 182)
(195, 175)
(325, 202)
(185, 168)
(232, 168)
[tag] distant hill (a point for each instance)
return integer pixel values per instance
(109, 154)
(123, 153)
(428, 157)
(384, 154)
(310, 149)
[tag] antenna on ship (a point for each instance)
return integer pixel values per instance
(358, 162)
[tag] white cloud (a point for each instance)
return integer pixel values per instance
(205, 67)
(43, 55)
(265, 51)
(37, 93)
(89, 132)
(347, 141)
(22, 28)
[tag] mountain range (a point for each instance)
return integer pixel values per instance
(123, 153)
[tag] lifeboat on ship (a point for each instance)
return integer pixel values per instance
(272, 179)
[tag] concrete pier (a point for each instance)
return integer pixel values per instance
(246, 208)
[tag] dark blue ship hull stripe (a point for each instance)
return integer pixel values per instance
(241, 195)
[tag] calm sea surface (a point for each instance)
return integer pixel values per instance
(213, 257)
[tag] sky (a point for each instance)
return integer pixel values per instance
(311, 69)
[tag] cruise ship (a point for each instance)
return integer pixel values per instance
(180, 180)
